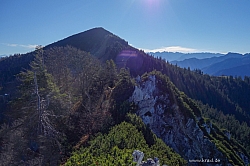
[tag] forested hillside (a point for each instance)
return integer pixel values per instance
(61, 100)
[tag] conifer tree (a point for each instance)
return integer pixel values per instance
(36, 114)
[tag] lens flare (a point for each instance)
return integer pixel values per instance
(130, 59)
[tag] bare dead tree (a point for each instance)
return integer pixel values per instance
(39, 112)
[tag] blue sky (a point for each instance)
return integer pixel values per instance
(172, 25)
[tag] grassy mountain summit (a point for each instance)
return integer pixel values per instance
(74, 92)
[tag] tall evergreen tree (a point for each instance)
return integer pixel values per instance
(36, 113)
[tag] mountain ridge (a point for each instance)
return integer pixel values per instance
(218, 66)
(138, 62)
(91, 84)
(229, 64)
(178, 56)
(195, 63)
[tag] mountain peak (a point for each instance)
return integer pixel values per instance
(94, 41)
(96, 29)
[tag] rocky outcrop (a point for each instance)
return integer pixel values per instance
(227, 133)
(168, 122)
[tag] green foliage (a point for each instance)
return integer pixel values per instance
(239, 131)
(122, 91)
(149, 136)
(37, 116)
(229, 147)
(9, 68)
(46, 88)
(111, 72)
(117, 146)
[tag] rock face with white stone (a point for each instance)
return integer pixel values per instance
(168, 122)
(208, 127)
(227, 133)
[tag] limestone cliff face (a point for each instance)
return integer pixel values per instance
(172, 125)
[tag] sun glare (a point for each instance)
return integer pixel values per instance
(153, 6)
(153, 3)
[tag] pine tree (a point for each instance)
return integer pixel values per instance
(33, 136)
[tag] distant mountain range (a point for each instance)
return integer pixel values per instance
(1, 56)
(231, 64)
(177, 56)
(234, 66)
